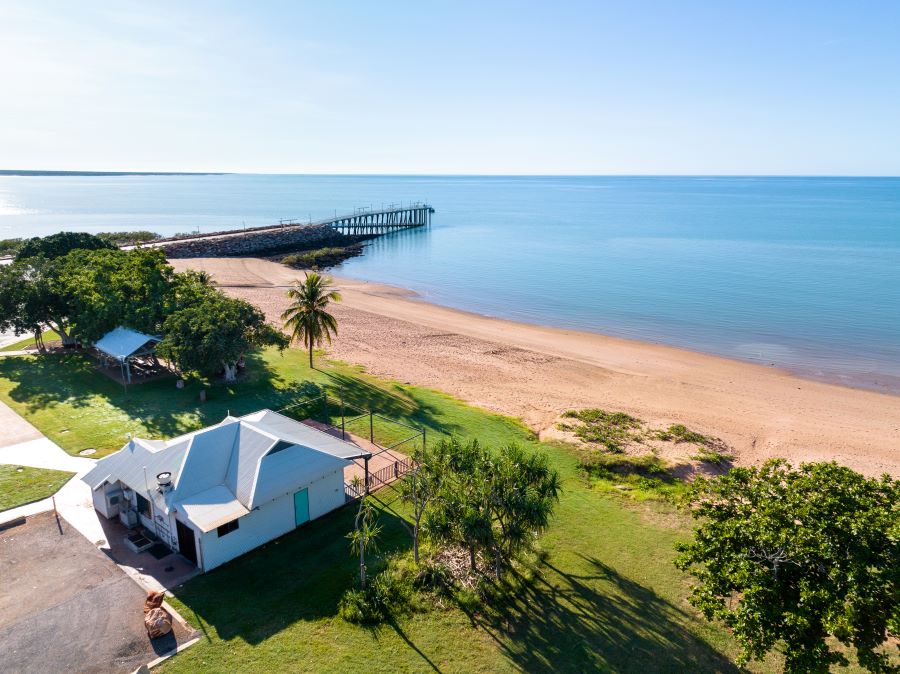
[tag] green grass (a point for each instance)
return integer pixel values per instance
(606, 598)
(21, 484)
(25, 342)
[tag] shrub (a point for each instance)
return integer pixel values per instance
(712, 456)
(613, 430)
(434, 577)
(121, 238)
(608, 466)
(322, 257)
(388, 594)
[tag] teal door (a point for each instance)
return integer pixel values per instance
(301, 507)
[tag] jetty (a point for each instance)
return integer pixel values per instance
(295, 232)
(366, 221)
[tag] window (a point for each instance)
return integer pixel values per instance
(143, 507)
(227, 528)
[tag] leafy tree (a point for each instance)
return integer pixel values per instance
(365, 530)
(424, 485)
(32, 299)
(496, 502)
(522, 492)
(214, 333)
(108, 288)
(189, 287)
(10, 246)
(306, 318)
(792, 557)
(461, 515)
(62, 243)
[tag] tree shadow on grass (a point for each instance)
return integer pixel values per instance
(41, 381)
(565, 622)
(163, 410)
(298, 577)
(361, 395)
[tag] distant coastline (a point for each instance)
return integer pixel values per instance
(18, 172)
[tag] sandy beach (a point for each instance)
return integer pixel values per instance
(535, 373)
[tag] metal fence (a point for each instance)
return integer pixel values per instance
(384, 433)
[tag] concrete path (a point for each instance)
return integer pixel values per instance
(21, 444)
(43, 453)
(14, 429)
(7, 338)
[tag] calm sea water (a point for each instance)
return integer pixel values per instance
(802, 273)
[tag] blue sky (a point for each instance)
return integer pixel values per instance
(452, 87)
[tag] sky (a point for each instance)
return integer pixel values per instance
(635, 87)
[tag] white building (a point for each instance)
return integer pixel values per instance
(219, 492)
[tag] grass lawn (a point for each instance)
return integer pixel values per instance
(25, 342)
(607, 598)
(20, 484)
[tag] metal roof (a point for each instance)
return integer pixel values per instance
(212, 508)
(286, 428)
(230, 463)
(278, 473)
(122, 342)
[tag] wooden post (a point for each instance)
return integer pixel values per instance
(371, 429)
(343, 433)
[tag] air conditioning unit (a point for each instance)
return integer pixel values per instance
(114, 502)
(129, 518)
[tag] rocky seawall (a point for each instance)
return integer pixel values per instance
(264, 242)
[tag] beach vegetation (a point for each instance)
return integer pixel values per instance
(307, 318)
(613, 430)
(322, 258)
(128, 238)
(797, 559)
(712, 456)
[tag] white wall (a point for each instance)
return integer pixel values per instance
(326, 494)
(269, 521)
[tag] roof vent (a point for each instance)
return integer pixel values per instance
(164, 480)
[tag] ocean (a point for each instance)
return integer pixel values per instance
(799, 273)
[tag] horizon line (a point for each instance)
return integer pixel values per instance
(68, 172)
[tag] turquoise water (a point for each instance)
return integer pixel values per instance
(802, 273)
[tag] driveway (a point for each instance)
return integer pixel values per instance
(66, 607)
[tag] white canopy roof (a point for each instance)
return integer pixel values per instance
(122, 342)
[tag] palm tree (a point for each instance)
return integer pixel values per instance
(306, 318)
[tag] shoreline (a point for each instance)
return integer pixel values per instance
(536, 372)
